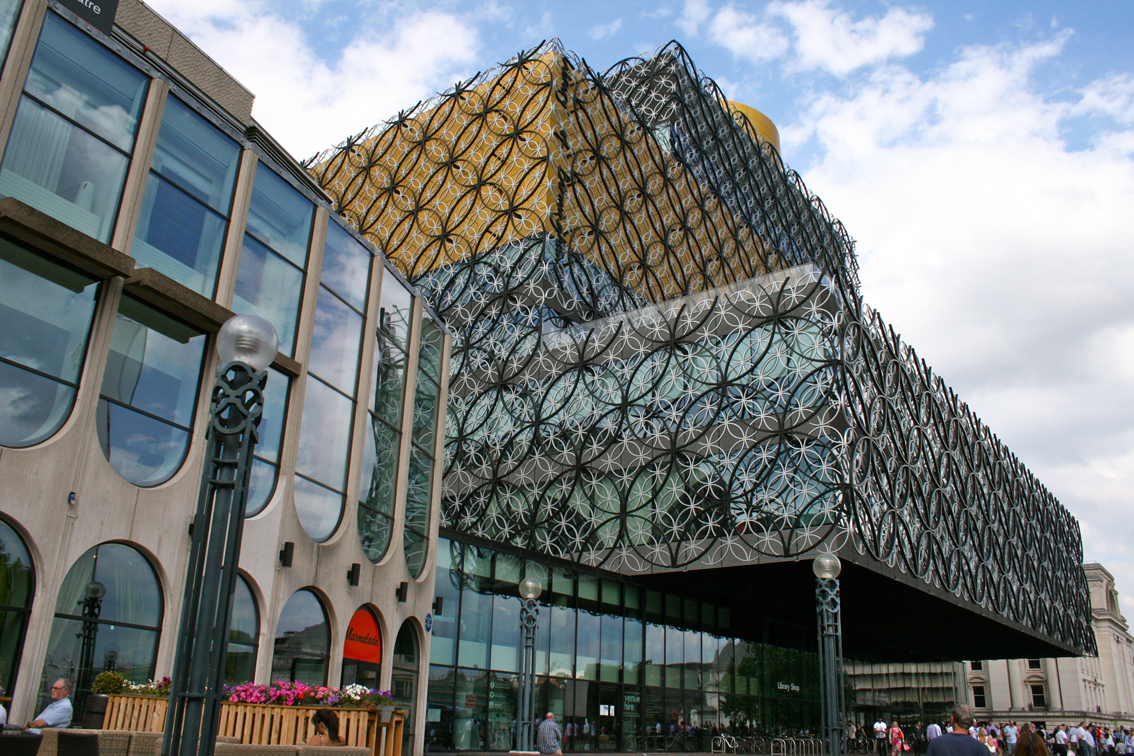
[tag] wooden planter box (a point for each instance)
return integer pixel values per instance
(262, 724)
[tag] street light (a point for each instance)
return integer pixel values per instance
(91, 603)
(530, 590)
(246, 344)
(827, 568)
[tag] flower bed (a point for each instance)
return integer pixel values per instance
(283, 693)
(278, 723)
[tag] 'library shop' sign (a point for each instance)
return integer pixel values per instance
(97, 13)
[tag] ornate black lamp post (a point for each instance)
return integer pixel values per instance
(827, 568)
(91, 602)
(247, 345)
(530, 590)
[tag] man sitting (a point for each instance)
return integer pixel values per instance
(58, 712)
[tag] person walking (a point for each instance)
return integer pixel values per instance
(880, 737)
(897, 740)
(548, 736)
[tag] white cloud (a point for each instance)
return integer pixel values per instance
(308, 103)
(695, 13)
(745, 36)
(827, 38)
(1112, 96)
(605, 31)
(1003, 256)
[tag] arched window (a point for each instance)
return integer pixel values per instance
(17, 585)
(303, 640)
(149, 393)
(46, 310)
(404, 678)
(362, 650)
(243, 635)
(107, 616)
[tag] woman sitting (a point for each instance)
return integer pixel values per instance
(326, 729)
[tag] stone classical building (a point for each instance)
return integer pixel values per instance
(1093, 688)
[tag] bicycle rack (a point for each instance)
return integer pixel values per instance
(779, 747)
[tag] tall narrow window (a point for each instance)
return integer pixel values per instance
(243, 635)
(149, 393)
(266, 460)
(184, 216)
(384, 434)
(274, 257)
(17, 586)
(332, 379)
(426, 401)
(303, 640)
(46, 311)
(108, 615)
(978, 697)
(74, 130)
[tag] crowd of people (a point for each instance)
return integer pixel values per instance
(1004, 739)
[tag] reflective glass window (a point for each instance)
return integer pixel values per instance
(149, 393)
(243, 635)
(9, 13)
(335, 341)
(46, 311)
(332, 380)
(184, 217)
(17, 586)
(419, 490)
(274, 256)
(383, 437)
(74, 130)
(346, 266)
(265, 462)
(120, 628)
(303, 640)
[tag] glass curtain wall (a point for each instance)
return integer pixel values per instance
(623, 668)
(46, 311)
(74, 131)
(17, 586)
(383, 438)
(332, 378)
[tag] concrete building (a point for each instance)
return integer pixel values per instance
(143, 205)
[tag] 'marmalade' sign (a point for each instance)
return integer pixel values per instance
(363, 642)
(97, 13)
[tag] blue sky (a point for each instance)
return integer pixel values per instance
(981, 154)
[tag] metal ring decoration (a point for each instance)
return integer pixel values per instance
(661, 355)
